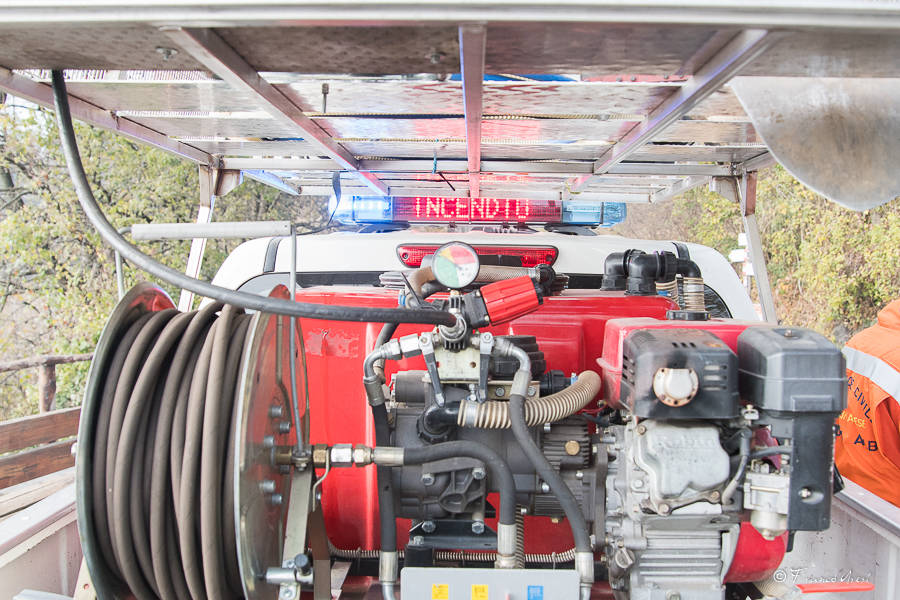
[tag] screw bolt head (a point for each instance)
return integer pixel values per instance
(478, 527)
(664, 509)
(428, 478)
(429, 526)
(805, 493)
(478, 473)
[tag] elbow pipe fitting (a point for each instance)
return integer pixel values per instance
(688, 268)
(643, 270)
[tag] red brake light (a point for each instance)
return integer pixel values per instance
(411, 255)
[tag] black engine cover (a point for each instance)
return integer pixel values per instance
(648, 350)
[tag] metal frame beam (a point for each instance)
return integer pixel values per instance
(680, 187)
(745, 187)
(726, 13)
(456, 165)
(766, 159)
(472, 41)
(42, 95)
(208, 48)
(534, 194)
(725, 64)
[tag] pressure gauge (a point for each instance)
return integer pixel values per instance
(455, 265)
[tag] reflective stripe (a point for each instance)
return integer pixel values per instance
(875, 370)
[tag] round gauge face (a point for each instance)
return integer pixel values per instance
(455, 265)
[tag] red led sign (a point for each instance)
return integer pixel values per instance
(433, 209)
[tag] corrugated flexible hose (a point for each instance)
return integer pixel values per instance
(694, 294)
(494, 414)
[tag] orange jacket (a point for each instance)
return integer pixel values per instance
(867, 449)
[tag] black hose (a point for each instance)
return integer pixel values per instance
(546, 472)
(242, 299)
(500, 473)
(386, 513)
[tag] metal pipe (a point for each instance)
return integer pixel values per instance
(302, 436)
(220, 230)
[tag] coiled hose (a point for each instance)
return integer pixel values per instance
(495, 414)
(161, 483)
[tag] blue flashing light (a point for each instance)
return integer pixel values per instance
(361, 209)
(587, 212)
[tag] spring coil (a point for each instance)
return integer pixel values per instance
(694, 294)
(494, 414)
(520, 538)
(161, 480)
(552, 558)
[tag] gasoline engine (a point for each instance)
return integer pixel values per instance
(690, 449)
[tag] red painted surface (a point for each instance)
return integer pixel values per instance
(571, 330)
(837, 587)
(505, 300)
(755, 557)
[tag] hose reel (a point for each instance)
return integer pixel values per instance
(184, 463)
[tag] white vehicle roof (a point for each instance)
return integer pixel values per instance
(377, 252)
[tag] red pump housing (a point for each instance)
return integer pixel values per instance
(574, 330)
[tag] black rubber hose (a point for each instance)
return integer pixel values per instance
(500, 473)
(163, 533)
(546, 472)
(242, 299)
(216, 416)
(386, 514)
(120, 447)
(98, 475)
(189, 498)
(128, 478)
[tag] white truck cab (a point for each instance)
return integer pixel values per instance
(349, 258)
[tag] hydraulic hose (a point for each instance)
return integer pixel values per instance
(500, 472)
(241, 299)
(584, 554)
(547, 473)
(548, 409)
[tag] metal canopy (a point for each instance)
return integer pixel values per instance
(624, 100)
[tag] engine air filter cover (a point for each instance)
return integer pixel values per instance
(646, 352)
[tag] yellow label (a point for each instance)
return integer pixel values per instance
(440, 591)
(480, 592)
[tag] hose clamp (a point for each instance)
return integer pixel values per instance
(470, 414)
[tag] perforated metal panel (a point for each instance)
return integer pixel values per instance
(578, 86)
